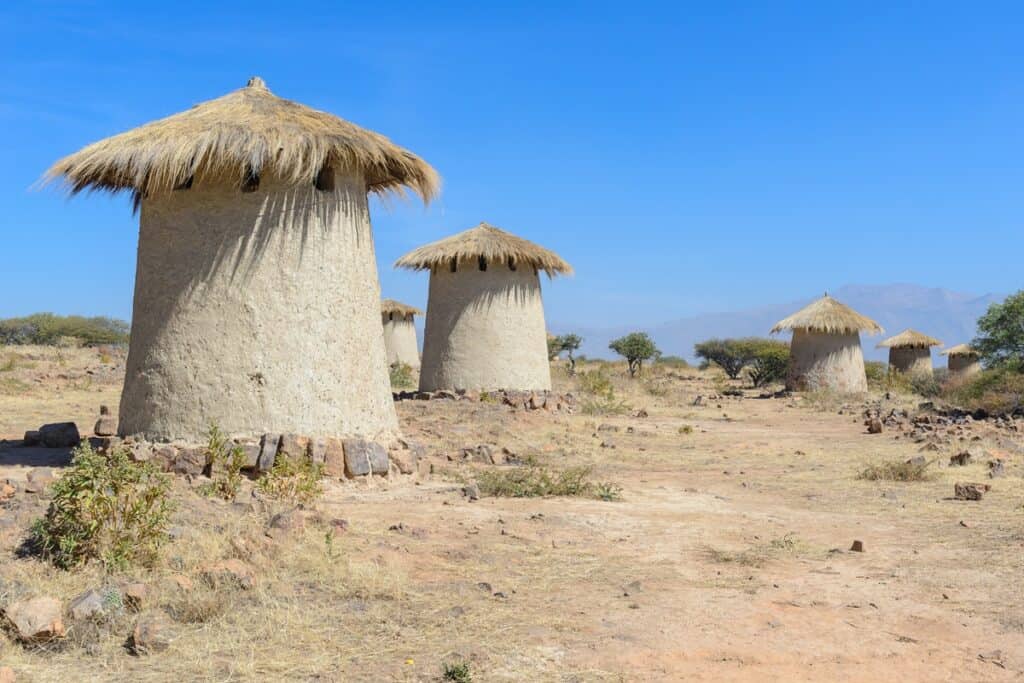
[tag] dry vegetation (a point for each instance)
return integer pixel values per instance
(719, 552)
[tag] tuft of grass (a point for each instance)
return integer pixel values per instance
(896, 471)
(292, 480)
(9, 364)
(686, 429)
(106, 508)
(225, 465)
(758, 555)
(599, 394)
(536, 481)
(401, 376)
(457, 672)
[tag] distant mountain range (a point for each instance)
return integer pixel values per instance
(949, 316)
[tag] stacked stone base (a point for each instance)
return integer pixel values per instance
(520, 400)
(341, 458)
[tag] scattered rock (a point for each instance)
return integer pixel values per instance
(970, 490)
(106, 425)
(481, 453)
(59, 435)
(874, 426)
(38, 480)
(285, 524)
(87, 604)
(38, 620)
(607, 444)
(857, 547)
(153, 633)
(190, 461)
(917, 461)
(135, 595)
(471, 491)
(961, 459)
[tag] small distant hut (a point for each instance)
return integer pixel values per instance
(485, 318)
(256, 293)
(910, 352)
(400, 333)
(825, 352)
(962, 360)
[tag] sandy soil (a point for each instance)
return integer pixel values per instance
(727, 557)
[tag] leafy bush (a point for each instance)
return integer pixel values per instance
(50, 329)
(896, 471)
(1000, 340)
(105, 507)
(725, 353)
(401, 376)
(225, 465)
(293, 480)
(675, 362)
(997, 391)
(876, 372)
(537, 481)
(457, 672)
(768, 359)
(599, 394)
(568, 344)
(635, 347)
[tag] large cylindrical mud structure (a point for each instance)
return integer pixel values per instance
(824, 361)
(485, 330)
(256, 294)
(257, 311)
(400, 338)
(911, 360)
(964, 366)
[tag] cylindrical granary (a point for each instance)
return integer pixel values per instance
(256, 293)
(485, 317)
(962, 361)
(398, 321)
(910, 352)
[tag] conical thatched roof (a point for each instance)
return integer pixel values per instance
(829, 316)
(488, 242)
(242, 133)
(959, 350)
(392, 306)
(909, 339)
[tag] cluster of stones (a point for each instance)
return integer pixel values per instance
(521, 400)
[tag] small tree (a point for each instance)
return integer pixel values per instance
(635, 347)
(1000, 340)
(725, 353)
(570, 343)
(768, 360)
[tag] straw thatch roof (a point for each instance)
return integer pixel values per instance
(239, 135)
(829, 316)
(392, 306)
(909, 339)
(959, 350)
(487, 242)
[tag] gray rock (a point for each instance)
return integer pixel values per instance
(996, 468)
(268, 452)
(318, 450)
(293, 446)
(251, 451)
(38, 480)
(191, 461)
(59, 435)
(364, 457)
(970, 490)
(88, 604)
(105, 426)
(471, 491)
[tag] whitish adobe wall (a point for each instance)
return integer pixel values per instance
(257, 311)
(911, 360)
(826, 361)
(400, 339)
(485, 330)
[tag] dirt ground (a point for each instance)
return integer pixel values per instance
(727, 556)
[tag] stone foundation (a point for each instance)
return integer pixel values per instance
(519, 400)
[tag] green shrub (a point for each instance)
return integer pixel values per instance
(997, 391)
(768, 360)
(457, 672)
(50, 329)
(876, 372)
(599, 394)
(635, 347)
(535, 481)
(225, 465)
(568, 344)
(674, 362)
(292, 480)
(107, 508)
(725, 353)
(401, 376)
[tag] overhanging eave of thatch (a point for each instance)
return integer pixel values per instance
(828, 316)
(391, 306)
(909, 339)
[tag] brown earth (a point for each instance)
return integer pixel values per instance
(727, 557)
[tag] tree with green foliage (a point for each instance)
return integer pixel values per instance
(768, 360)
(1000, 340)
(49, 329)
(635, 347)
(570, 344)
(727, 354)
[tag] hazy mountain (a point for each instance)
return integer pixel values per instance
(949, 316)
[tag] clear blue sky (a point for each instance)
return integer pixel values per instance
(683, 157)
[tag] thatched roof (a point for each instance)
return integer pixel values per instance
(487, 242)
(959, 350)
(240, 134)
(392, 306)
(908, 339)
(829, 316)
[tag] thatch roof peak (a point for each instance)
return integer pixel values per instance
(248, 131)
(488, 242)
(829, 316)
(909, 339)
(959, 350)
(392, 306)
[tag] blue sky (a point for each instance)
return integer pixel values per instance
(685, 158)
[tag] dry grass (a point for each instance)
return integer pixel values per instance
(897, 471)
(829, 316)
(486, 242)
